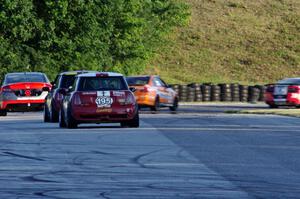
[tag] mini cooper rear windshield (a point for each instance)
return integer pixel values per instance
(137, 80)
(294, 81)
(101, 83)
(24, 77)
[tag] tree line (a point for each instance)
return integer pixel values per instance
(105, 35)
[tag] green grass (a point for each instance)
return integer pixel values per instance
(233, 41)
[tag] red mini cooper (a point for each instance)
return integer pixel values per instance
(285, 92)
(101, 97)
(23, 92)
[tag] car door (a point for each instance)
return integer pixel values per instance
(51, 93)
(164, 96)
(169, 92)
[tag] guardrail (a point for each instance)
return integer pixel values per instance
(221, 92)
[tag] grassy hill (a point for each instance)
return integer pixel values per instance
(246, 41)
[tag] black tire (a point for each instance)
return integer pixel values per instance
(156, 105)
(71, 123)
(175, 105)
(273, 106)
(3, 113)
(134, 123)
(53, 115)
(46, 114)
(62, 123)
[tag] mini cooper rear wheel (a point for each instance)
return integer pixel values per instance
(3, 113)
(62, 123)
(71, 123)
(134, 123)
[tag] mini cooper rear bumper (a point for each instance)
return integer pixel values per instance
(95, 115)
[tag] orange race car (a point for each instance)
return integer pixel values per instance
(151, 91)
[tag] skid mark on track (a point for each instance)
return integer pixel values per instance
(46, 194)
(105, 195)
(104, 153)
(23, 156)
(35, 179)
(137, 159)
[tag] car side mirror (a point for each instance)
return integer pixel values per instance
(69, 89)
(53, 85)
(47, 89)
(132, 89)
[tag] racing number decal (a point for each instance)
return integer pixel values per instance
(103, 99)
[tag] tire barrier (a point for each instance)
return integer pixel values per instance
(190, 94)
(225, 92)
(254, 94)
(175, 87)
(244, 93)
(235, 92)
(215, 93)
(206, 92)
(262, 90)
(198, 92)
(183, 93)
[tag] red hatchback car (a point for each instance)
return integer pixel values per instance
(101, 97)
(285, 92)
(23, 92)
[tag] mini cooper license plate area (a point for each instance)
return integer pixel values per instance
(104, 100)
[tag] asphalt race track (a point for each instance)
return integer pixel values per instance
(199, 152)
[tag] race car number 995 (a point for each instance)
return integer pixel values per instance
(104, 101)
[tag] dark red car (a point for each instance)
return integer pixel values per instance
(23, 92)
(285, 92)
(99, 98)
(54, 98)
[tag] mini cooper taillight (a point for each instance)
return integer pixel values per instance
(129, 99)
(76, 99)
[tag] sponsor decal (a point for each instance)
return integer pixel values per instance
(103, 93)
(88, 93)
(104, 110)
(118, 93)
